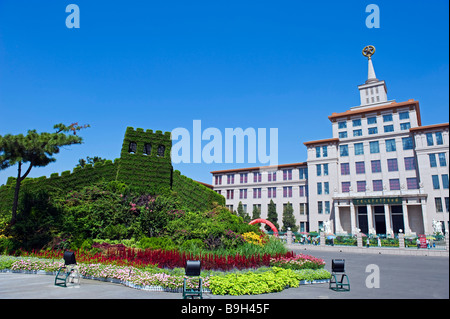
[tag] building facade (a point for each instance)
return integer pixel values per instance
(381, 172)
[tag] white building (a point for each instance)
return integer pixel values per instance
(381, 172)
(257, 186)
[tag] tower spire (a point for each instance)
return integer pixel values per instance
(368, 51)
(373, 91)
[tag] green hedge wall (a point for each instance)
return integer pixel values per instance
(66, 182)
(146, 171)
(151, 173)
(195, 196)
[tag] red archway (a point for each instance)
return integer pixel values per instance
(268, 223)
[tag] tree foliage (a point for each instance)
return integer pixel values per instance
(37, 149)
(288, 218)
(272, 215)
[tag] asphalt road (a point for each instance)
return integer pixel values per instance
(400, 277)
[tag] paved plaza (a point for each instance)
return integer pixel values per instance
(400, 277)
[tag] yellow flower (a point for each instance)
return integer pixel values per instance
(253, 238)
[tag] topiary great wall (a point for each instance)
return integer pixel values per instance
(145, 163)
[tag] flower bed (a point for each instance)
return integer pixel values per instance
(124, 256)
(297, 262)
(262, 280)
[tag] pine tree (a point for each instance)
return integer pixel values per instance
(256, 213)
(242, 213)
(288, 218)
(272, 215)
(34, 148)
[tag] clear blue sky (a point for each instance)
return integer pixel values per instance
(162, 64)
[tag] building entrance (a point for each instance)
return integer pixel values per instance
(380, 219)
(397, 219)
(362, 219)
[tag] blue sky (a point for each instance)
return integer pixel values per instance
(260, 64)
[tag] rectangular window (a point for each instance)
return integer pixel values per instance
(302, 191)
(325, 169)
(442, 159)
(256, 177)
(372, 120)
(405, 126)
(345, 169)
(345, 187)
(243, 193)
(256, 192)
(438, 203)
(287, 175)
(230, 193)
(435, 179)
(287, 191)
(359, 149)
(357, 132)
(430, 141)
(408, 143)
(361, 186)
(394, 184)
(360, 168)
(317, 151)
(342, 125)
(432, 158)
(392, 165)
(373, 130)
(388, 128)
(356, 122)
(390, 145)
(303, 173)
(302, 209)
(230, 179)
(412, 183)
(377, 185)
(387, 118)
(326, 188)
(344, 150)
(319, 188)
(272, 176)
(404, 115)
(319, 169)
(376, 166)
(327, 207)
(218, 179)
(447, 204)
(325, 151)
(319, 207)
(439, 140)
(243, 178)
(343, 134)
(374, 147)
(444, 181)
(272, 192)
(410, 163)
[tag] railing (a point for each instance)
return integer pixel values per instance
(434, 242)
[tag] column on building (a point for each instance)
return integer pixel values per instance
(405, 217)
(370, 220)
(353, 219)
(387, 216)
(337, 218)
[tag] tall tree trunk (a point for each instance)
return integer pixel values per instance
(17, 189)
(16, 195)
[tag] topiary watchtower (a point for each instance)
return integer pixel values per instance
(145, 160)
